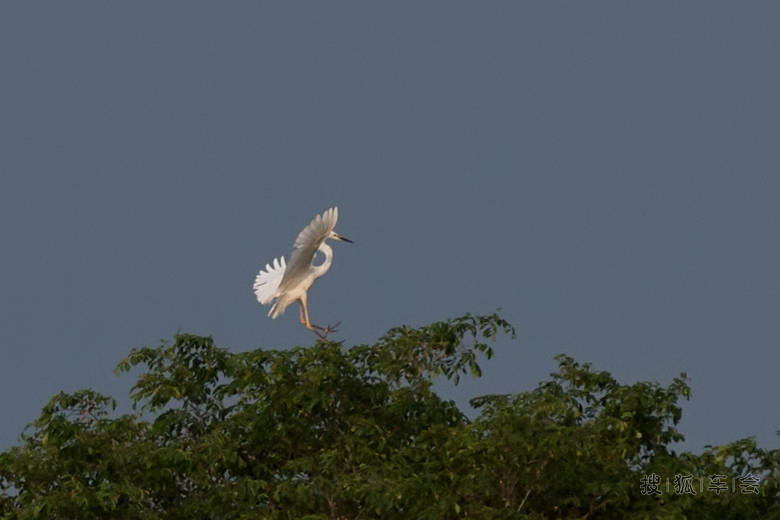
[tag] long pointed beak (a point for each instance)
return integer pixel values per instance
(344, 239)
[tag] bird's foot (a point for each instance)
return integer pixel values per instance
(323, 332)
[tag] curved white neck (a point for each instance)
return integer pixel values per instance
(321, 269)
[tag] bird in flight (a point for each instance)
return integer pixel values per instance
(289, 282)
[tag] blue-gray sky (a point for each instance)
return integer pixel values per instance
(607, 174)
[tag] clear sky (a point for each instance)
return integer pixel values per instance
(607, 174)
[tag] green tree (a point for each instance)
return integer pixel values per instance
(329, 432)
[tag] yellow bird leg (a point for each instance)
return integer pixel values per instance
(306, 314)
(304, 307)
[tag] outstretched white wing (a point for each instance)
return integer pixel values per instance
(318, 230)
(267, 282)
(306, 244)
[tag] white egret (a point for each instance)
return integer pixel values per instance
(289, 282)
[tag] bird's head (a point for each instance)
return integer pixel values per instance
(336, 236)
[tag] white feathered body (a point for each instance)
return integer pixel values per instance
(290, 282)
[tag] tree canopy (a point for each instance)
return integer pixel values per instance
(336, 432)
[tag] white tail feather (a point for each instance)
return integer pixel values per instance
(267, 282)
